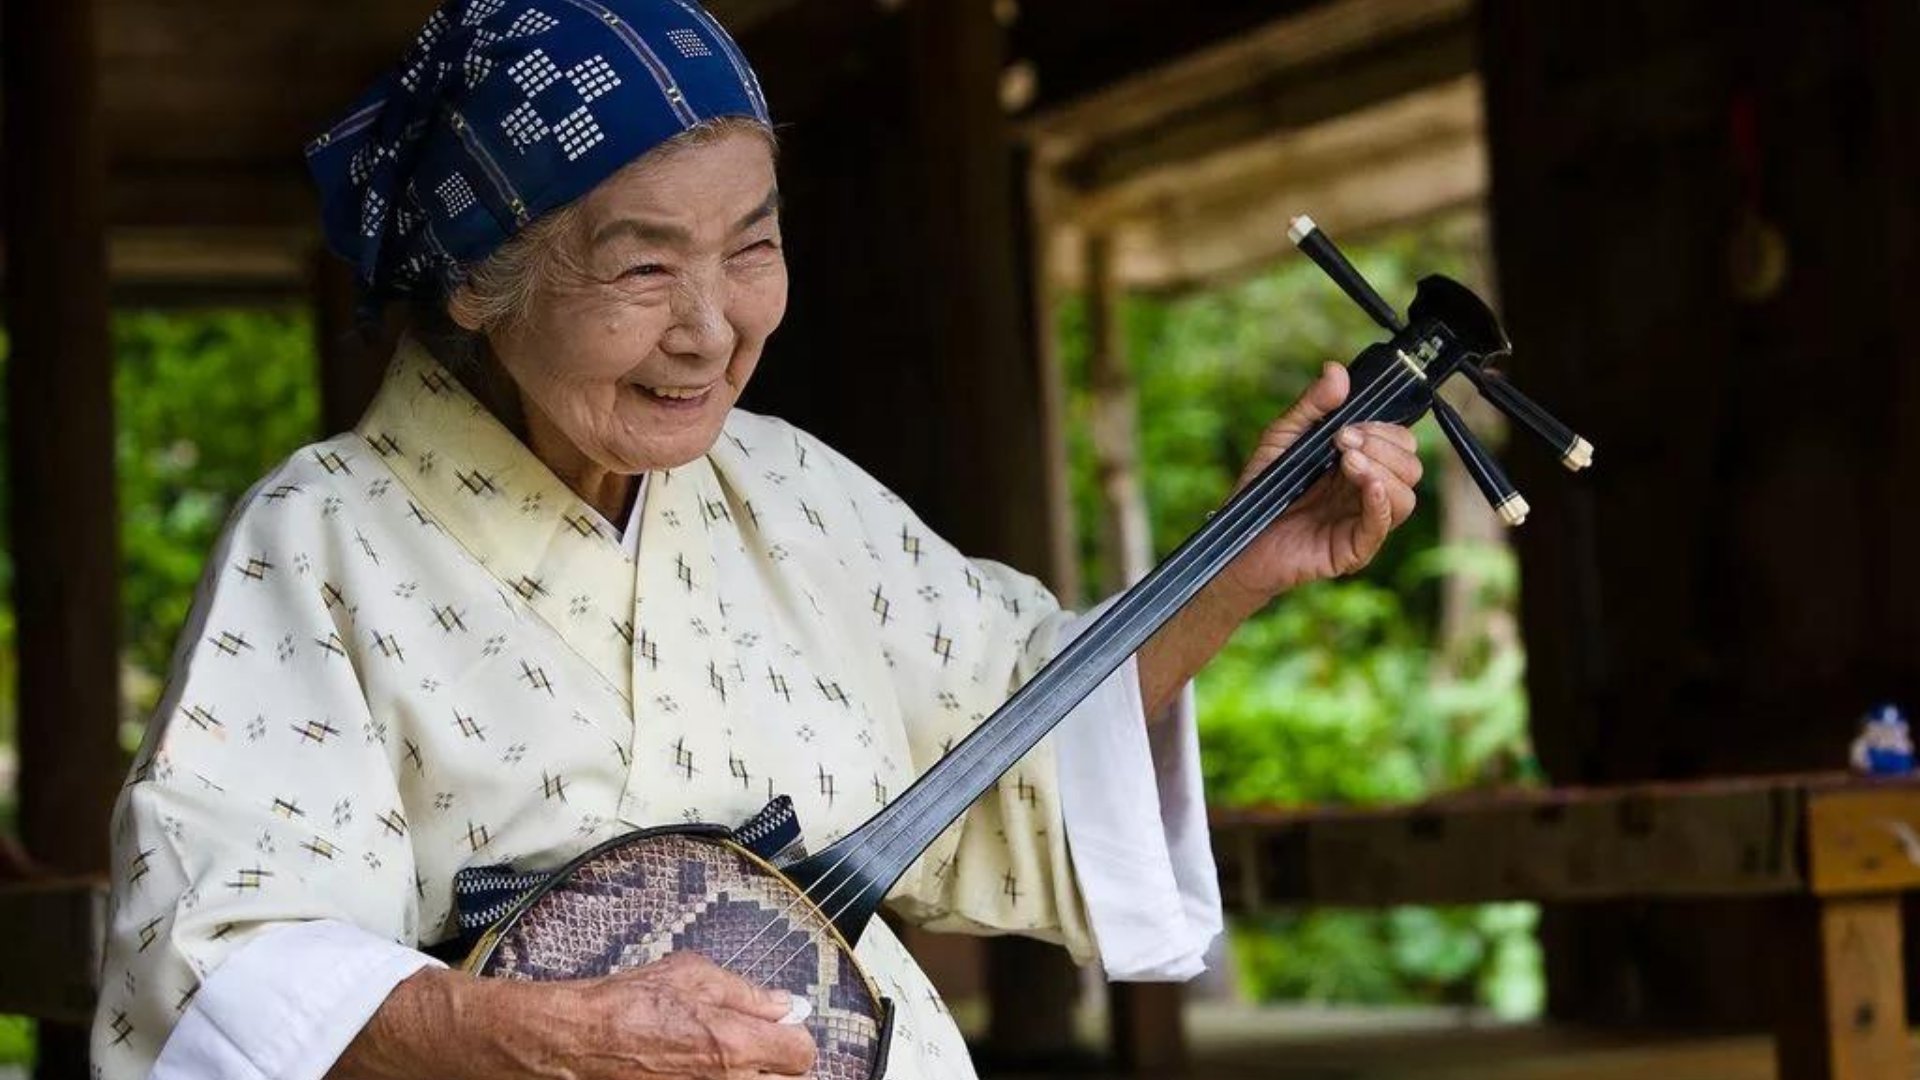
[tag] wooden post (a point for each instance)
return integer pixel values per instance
(989, 386)
(1147, 1033)
(1848, 1019)
(60, 438)
(1144, 1030)
(909, 338)
(1063, 570)
(1126, 540)
(349, 362)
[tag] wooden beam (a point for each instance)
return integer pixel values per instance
(1723, 838)
(1399, 161)
(1079, 49)
(1286, 99)
(1150, 97)
(166, 196)
(1194, 246)
(1864, 840)
(1420, 123)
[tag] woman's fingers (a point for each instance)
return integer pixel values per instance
(1324, 396)
(703, 980)
(1389, 445)
(1369, 528)
(750, 1046)
(1395, 495)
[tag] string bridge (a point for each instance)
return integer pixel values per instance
(1424, 353)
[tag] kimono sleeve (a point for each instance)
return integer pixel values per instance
(264, 794)
(962, 636)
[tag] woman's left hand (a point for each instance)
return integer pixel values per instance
(1339, 525)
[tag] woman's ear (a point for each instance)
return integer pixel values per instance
(463, 307)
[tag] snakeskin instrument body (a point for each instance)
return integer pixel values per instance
(636, 898)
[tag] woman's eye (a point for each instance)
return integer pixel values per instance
(644, 270)
(759, 248)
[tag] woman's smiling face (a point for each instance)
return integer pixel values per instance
(632, 352)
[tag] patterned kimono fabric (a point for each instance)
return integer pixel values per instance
(415, 650)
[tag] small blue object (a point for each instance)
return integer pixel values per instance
(1884, 746)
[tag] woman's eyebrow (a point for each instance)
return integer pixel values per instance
(647, 232)
(657, 232)
(767, 208)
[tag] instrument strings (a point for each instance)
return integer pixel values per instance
(1372, 401)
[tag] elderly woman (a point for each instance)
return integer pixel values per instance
(556, 587)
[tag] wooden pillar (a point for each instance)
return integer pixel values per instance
(60, 441)
(1845, 1015)
(1144, 1030)
(1062, 573)
(350, 364)
(909, 342)
(1126, 538)
(974, 294)
(990, 386)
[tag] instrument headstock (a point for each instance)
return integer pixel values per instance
(1449, 331)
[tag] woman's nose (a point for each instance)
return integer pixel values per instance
(700, 328)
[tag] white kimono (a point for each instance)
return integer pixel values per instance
(416, 650)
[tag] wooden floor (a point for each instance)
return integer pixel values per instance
(1238, 1043)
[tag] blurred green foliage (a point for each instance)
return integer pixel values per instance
(206, 403)
(1335, 693)
(16, 1040)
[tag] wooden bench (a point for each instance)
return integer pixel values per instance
(1849, 846)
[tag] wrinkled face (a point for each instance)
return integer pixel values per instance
(634, 355)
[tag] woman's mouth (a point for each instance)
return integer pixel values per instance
(678, 397)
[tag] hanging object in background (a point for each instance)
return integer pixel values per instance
(1757, 250)
(1884, 746)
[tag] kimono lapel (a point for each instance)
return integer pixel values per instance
(688, 690)
(467, 474)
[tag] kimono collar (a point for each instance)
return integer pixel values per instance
(466, 474)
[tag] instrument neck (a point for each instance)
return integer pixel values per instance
(853, 876)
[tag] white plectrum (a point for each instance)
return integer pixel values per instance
(798, 1009)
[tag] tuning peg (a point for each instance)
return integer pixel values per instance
(1575, 452)
(1486, 472)
(1310, 240)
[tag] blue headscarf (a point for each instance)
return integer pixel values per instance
(505, 109)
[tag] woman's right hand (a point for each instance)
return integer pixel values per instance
(686, 1017)
(680, 1018)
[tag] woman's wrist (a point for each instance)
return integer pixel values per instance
(443, 1022)
(1173, 656)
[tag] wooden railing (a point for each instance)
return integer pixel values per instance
(1850, 847)
(53, 931)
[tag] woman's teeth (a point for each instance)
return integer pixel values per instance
(672, 393)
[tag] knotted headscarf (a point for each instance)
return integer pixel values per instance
(505, 109)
